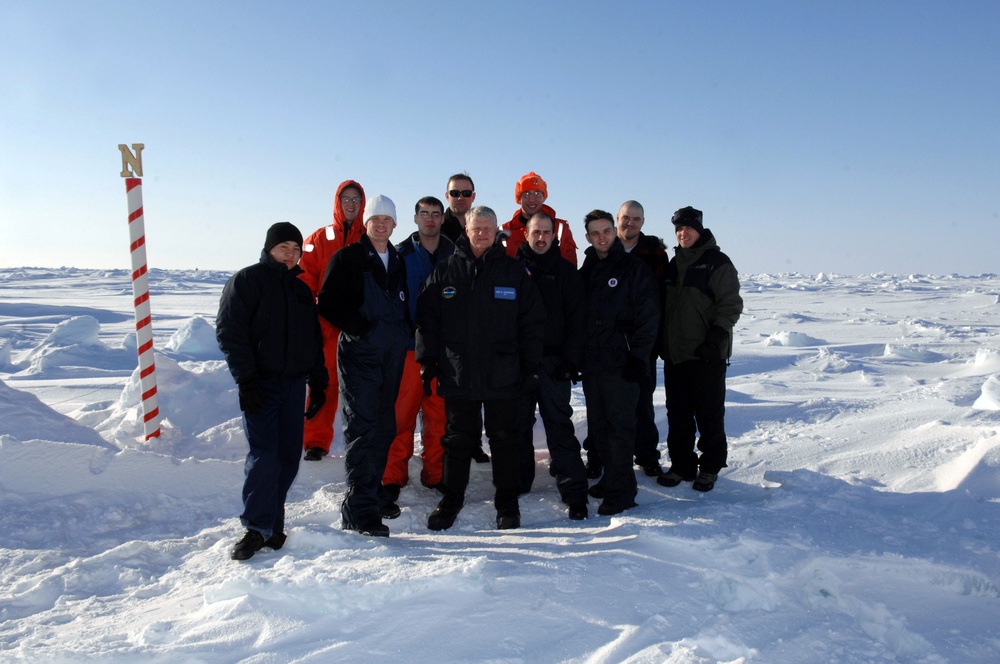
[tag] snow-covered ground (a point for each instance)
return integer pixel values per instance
(859, 520)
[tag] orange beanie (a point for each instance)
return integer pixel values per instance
(530, 182)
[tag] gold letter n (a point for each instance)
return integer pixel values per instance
(131, 163)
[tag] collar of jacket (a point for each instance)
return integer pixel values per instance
(280, 268)
(704, 243)
(463, 248)
(517, 222)
(616, 251)
(372, 253)
(530, 258)
(412, 244)
(648, 244)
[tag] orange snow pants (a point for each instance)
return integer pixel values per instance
(411, 399)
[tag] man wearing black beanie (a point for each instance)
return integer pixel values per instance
(702, 304)
(269, 332)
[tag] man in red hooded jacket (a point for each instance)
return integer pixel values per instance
(317, 250)
(531, 192)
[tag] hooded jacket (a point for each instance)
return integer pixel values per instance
(622, 313)
(702, 292)
(480, 320)
(561, 288)
(323, 243)
(515, 232)
(653, 252)
(267, 326)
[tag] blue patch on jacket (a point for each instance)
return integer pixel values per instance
(504, 293)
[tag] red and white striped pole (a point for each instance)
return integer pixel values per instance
(132, 164)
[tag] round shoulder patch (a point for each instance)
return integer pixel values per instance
(448, 292)
(612, 282)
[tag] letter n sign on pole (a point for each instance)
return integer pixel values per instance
(132, 172)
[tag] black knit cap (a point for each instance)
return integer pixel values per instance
(282, 232)
(688, 216)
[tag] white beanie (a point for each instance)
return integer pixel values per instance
(379, 205)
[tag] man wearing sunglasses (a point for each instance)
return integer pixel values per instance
(460, 194)
(531, 192)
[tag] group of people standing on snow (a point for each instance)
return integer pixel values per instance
(476, 325)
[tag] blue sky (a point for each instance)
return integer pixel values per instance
(847, 137)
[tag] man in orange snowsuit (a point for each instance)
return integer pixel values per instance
(317, 250)
(531, 192)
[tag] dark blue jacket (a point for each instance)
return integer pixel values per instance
(342, 296)
(480, 320)
(622, 311)
(419, 264)
(267, 326)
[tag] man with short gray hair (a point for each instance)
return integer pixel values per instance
(480, 323)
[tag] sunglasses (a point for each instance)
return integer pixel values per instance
(455, 193)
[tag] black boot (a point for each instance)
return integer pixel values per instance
(251, 543)
(508, 519)
(388, 494)
(444, 515)
(374, 528)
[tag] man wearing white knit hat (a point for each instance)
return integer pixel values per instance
(364, 295)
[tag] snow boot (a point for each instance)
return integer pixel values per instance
(674, 477)
(251, 543)
(705, 481)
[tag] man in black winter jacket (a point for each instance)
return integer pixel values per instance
(480, 323)
(562, 293)
(460, 195)
(651, 251)
(269, 333)
(621, 323)
(701, 306)
(364, 296)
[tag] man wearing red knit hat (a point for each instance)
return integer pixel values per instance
(531, 192)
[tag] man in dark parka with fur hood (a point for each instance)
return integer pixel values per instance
(702, 305)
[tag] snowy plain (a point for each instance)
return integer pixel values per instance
(859, 520)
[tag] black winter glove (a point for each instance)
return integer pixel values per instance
(564, 371)
(527, 382)
(428, 372)
(252, 396)
(636, 369)
(317, 397)
(710, 350)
